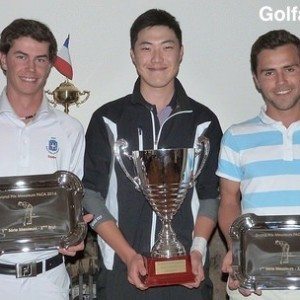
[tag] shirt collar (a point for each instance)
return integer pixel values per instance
(265, 118)
(178, 102)
(5, 105)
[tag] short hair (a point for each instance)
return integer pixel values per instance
(154, 17)
(28, 28)
(272, 40)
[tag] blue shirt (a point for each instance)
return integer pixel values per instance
(264, 156)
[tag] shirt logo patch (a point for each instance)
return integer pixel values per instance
(52, 146)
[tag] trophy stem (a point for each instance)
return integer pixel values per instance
(66, 108)
(167, 245)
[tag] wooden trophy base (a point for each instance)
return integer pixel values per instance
(168, 271)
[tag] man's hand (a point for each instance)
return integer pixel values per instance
(135, 270)
(197, 269)
(227, 268)
(233, 283)
(71, 251)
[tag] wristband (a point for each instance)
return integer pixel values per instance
(200, 244)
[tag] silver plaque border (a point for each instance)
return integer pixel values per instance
(62, 180)
(255, 223)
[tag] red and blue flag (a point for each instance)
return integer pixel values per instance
(62, 62)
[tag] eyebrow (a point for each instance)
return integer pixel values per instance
(19, 52)
(284, 67)
(169, 41)
(266, 70)
(163, 42)
(292, 65)
(38, 56)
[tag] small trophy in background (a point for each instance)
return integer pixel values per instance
(66, 93)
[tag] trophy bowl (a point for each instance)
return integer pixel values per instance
(164, 177)
(41, 212)
(266, 251)
(66, 94)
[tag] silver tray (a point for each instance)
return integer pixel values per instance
(266, 251)
(40, 212)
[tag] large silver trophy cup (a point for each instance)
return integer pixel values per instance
(164, 177)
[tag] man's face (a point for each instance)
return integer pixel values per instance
(278, 78)
(27, 66)
(157, 55)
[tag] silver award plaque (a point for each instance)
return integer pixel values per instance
(40, 212)
(266, 251)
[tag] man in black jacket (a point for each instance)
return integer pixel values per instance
(158, 114)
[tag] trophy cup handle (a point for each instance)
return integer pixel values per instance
(120, 148)
(203, 146)
(87, 93)
(50, 100)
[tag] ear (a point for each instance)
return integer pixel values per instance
(49, 70)
(132, 56)
(3, 61)
(181, 53)
(256, 82)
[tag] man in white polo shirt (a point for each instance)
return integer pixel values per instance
(259, 159)
(35, 139)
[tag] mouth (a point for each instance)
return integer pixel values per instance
(283, 92)
(157, 69)
(28, 79)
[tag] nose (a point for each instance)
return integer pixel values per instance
(281, 77)
(157, 56)
(31, 64)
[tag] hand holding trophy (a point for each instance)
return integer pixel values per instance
(66, 93)
(164, 177)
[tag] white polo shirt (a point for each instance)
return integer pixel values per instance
(51, 141)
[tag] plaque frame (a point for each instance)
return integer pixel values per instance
(266, 251)
(172, 271)
(41, 212)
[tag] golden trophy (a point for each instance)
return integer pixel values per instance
(67, 94)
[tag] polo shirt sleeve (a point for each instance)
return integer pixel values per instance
(229, 166)
(78, 139)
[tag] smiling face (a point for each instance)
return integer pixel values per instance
(27, 67)
(157, 55)
(278, 79)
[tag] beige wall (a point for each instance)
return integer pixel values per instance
(217, 36)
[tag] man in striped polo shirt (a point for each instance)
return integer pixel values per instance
(259, 161)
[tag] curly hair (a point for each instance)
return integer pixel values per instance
(28, 28)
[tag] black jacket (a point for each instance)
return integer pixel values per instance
(122, 119)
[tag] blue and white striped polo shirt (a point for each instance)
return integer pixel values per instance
(264, 156)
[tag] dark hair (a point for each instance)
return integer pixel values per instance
(154, 17)
(272, 40)
(28, 28)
